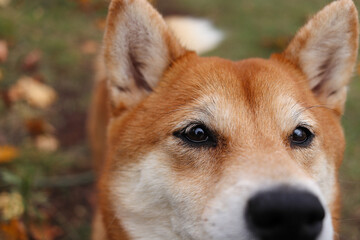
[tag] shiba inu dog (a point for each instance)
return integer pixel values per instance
(200, 148)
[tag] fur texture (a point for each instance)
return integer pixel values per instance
(155, 185)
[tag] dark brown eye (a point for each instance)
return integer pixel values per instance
(197, 135)
(301, 137)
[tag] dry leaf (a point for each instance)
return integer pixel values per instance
(38, 126)
(11, 205)
(14, 230)
(89, 47)
(14, 93)
(47, 143)
(85, 4)
(276, 43)
(31, 61)
(7, 153)
(35, 93)
(4, 96)
(4, 3)
(101, 24)
(3, 49)
(45, 232)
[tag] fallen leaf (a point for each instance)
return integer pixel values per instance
(38, 77)
(31, 61)
(37, 94)
(4, 96)
(85, 4)
(4, 3)
(11, 205)
(277, 43)
(89, 47)
(3, 49)
(14, 93)
(38, 126)
(100, 24)
(45, 232)
(8, 153)
(13, 230)
(46, 143)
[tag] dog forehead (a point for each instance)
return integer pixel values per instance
(236, 91)
(251, 80)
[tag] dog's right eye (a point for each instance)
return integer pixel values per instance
(197, 135)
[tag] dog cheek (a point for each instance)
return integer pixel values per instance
(323, 172)
(150, 198)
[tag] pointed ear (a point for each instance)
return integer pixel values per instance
(138, 48)
(325, 50)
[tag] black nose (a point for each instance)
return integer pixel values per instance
(285, 214)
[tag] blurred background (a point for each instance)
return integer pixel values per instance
(47, 52)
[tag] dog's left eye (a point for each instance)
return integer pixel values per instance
(197, 135)
(301, 137)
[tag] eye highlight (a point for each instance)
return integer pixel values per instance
(197, 135)
(301, 137)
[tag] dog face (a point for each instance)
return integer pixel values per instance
(206, 148)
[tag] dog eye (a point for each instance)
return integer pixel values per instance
(197, 135)
(301, 137)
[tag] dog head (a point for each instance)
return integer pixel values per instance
(206, 148)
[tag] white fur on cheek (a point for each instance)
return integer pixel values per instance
(138, 199)
(151, 205)
(324, 173)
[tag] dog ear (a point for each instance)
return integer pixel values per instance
(138, 48)
(325, 50)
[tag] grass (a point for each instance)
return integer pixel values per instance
(58, 29)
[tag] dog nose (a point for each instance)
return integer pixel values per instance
(284, 214)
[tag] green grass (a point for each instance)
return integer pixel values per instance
(58, 28)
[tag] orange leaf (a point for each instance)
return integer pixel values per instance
(89, 47)
(7, 153)
(31, 61)
(38, 126)
(3, 51)
(279, 42)
(14, 230)
(45, 232)
(100, 24)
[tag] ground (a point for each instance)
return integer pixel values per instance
(46, 175)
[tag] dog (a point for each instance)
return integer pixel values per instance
(191, 147)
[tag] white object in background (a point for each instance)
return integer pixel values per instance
(195, 33)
